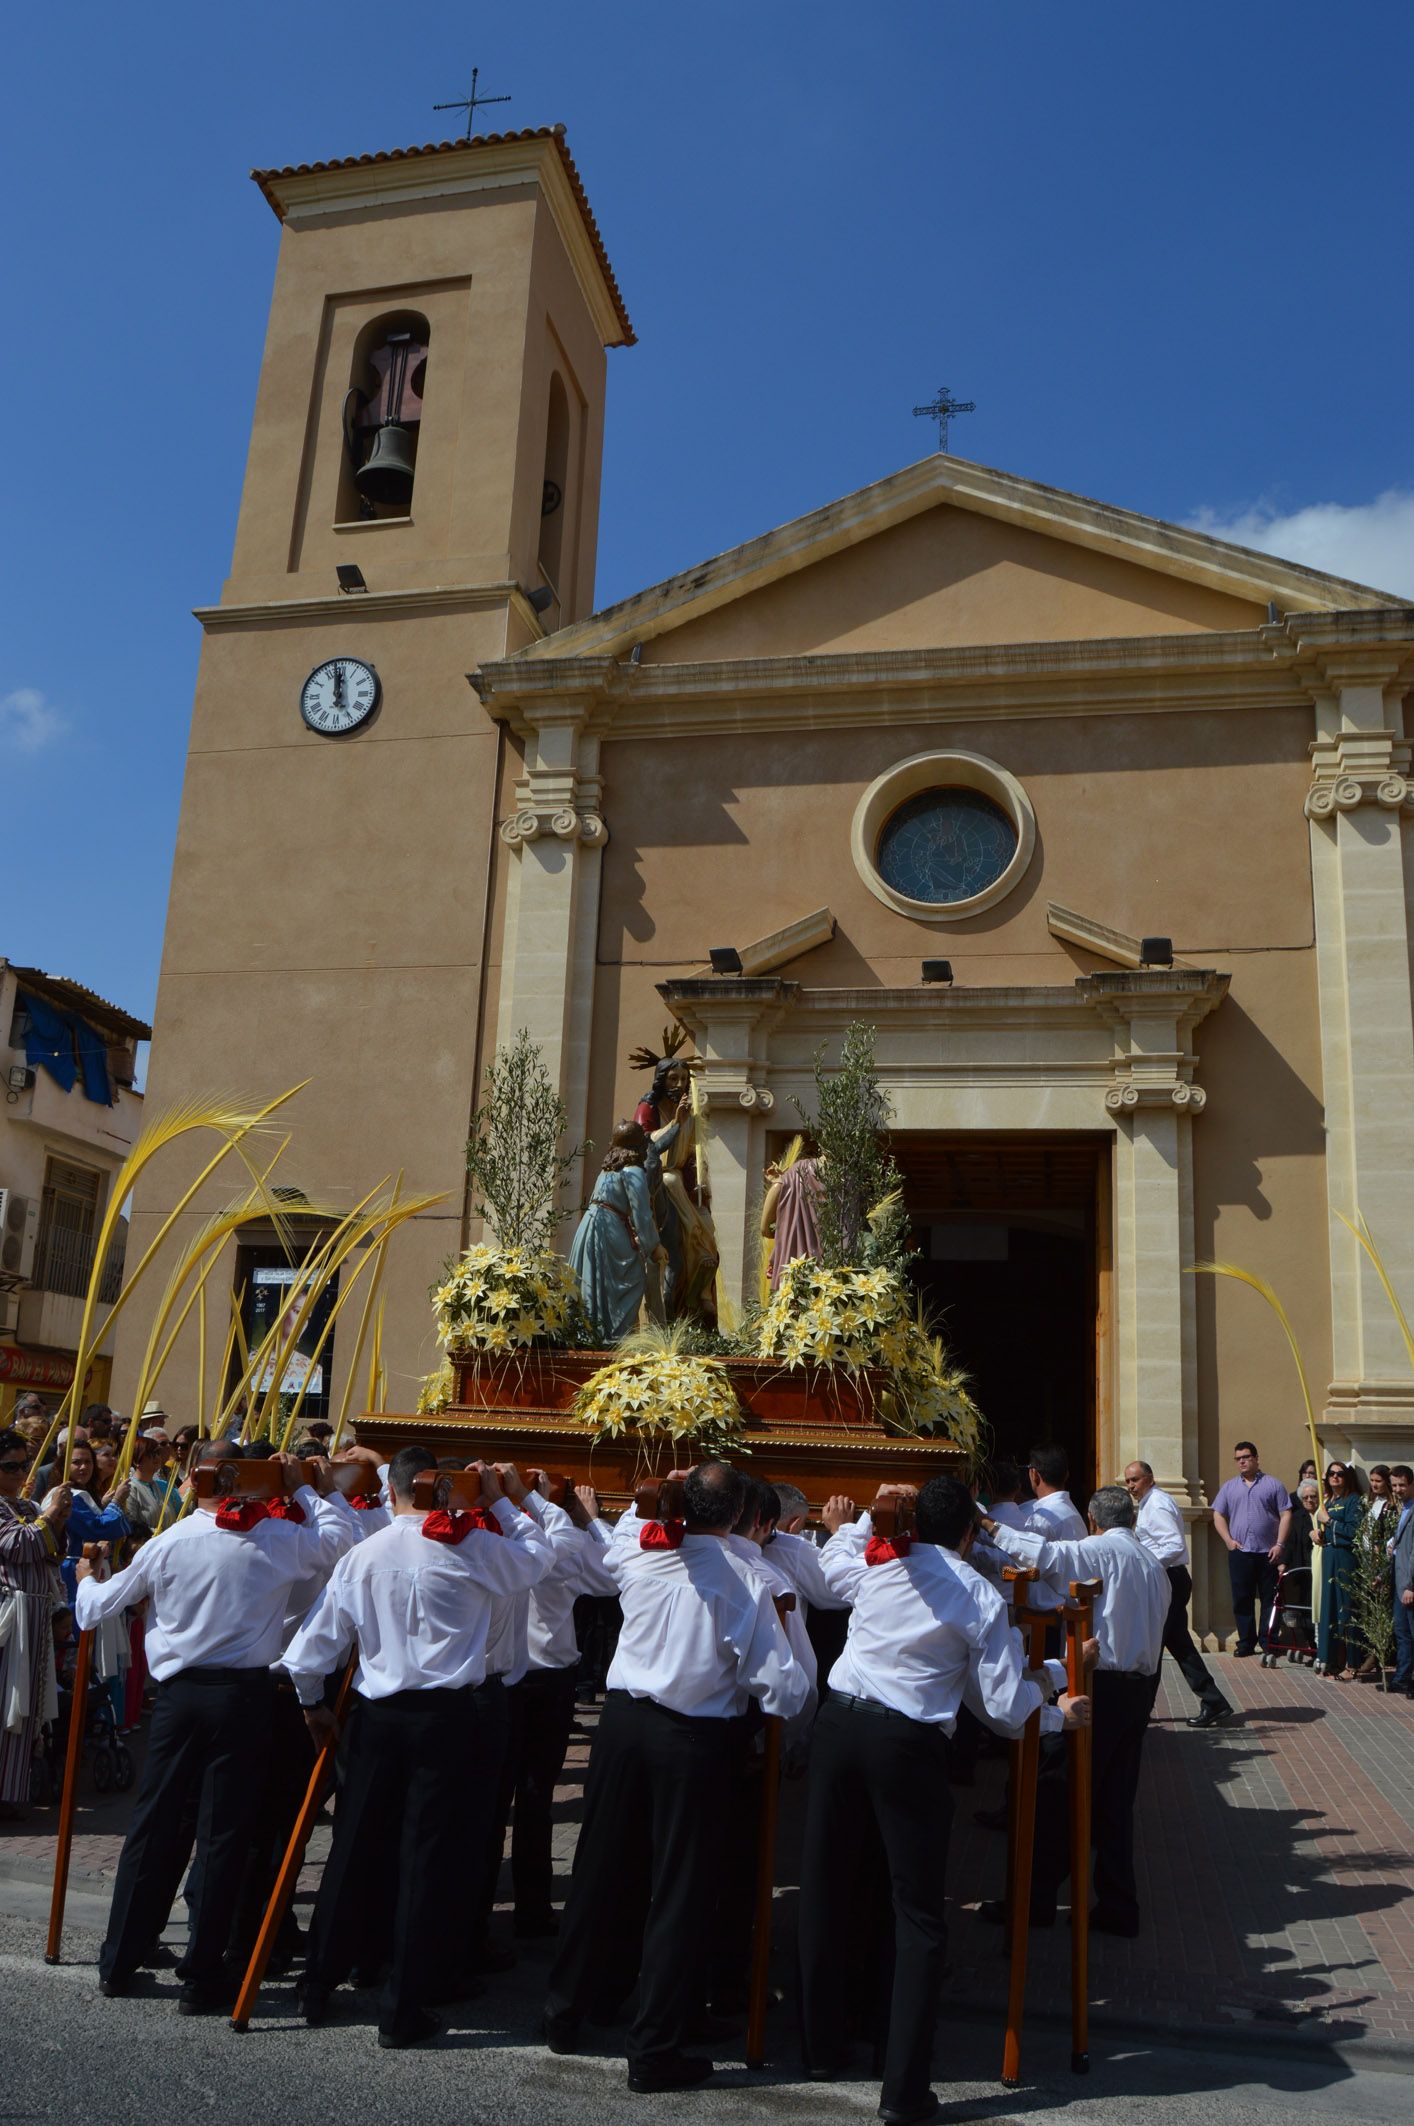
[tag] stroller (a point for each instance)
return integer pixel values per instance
(110, 1761)
(1292, 1630)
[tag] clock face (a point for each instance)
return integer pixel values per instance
(340, 695)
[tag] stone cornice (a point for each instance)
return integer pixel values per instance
(435, 598)
(1254, 668)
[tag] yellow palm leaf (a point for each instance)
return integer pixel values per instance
(1260, 1285)
(1366, 1239)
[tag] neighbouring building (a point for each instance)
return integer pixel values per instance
(70, 1116)
(1104, 824)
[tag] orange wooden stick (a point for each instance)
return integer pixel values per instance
(77, 1717)
(1079, 1615)
(290, 1866)
(765, 1878)
(1025, 1760)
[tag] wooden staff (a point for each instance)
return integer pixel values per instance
(1079, 1616)
(77, 1714)
(1025, 1757)
(765, 1876)
(290, 1866)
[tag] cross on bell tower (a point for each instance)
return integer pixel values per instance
(470, 104)
(942, 410)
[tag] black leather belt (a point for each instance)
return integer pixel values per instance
(852, 1704)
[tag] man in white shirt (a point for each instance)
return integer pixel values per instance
(413, 1605)
(217, 1584)
(1158, 1523)
(700, 1639)
(925, 1630)
(1052, 1512)
(1130, 1615)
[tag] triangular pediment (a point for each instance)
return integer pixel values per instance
(947, 552)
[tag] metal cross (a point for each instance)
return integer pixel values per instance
(942, 410)
(470, 104)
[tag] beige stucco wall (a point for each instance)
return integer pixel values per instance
(953, 576)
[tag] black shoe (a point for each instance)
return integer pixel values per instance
(830, 2070)
(678, 2070)
(927, 2107)
(536, 1926)
(312, 2002)
(998, 1914)
(560, 2032)
(115, 1988)
(1211, 1716)
(992, 1819)
(1243, 1653)
(416, 2031)
(206, 1997)
(1103, 1922)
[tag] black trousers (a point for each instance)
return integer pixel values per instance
(871, 1765)
(1178, 1640)
(1121, 1705)
(209, 1738)
(484, 1819)
(410, 1763)
(541, 1742)
(645, 1871)
(1254, 1584)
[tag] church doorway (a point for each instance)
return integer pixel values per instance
(1010, 1239)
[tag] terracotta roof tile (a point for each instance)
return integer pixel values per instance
(266, 179)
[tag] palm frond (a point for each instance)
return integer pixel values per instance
(1366, 1239)
(1260, 1286)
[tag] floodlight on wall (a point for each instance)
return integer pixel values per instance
(725, 959)
(541, 600)
(350, 576)
(938, 971)
(1156, 952)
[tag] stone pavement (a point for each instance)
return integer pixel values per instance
(1276, 1875)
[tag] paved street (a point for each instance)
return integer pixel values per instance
(1276, 1851)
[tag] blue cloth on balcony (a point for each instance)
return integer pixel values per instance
(93, 1062)
(49, 1041)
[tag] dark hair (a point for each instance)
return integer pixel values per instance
(92, 1410)
(627, 1147)
(1003, 1480)
(714, 1493)
(408, 1463)
(309, 1446)
(1245, 1446)
(761, 1503)
(944, 1512)
(258, 1450)
(1402, 1469)
(1379, 1469)
(1352, 1480)
(1307, 1467)
(15, 1443)
(1051, 1464)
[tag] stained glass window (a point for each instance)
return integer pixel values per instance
(944, 846)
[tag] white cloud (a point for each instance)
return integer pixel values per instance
(1367, 542)
(28, 721)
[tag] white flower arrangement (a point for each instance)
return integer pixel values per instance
(508, 1299)
(861, 1318)
(654, 1390)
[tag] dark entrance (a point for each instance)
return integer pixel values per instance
(1004, 1233)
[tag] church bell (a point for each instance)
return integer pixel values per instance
(385, 477)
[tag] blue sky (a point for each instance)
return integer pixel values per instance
(1165, 249)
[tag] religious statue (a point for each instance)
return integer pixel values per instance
(790, 1216)
(677, 1181)
(617, 1244)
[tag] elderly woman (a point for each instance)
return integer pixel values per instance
(1337, 1529)
(31, 1544)
(617, 1238)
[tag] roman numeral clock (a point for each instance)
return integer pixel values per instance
(339, 695)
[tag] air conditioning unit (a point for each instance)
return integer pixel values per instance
(19, 1228)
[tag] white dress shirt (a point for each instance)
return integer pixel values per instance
(508, 1642)
(1158, 1523)
(1055, 1517)
(216, 1598)
(549, 1628)
(778, 1582)
(927, 1632)
(798, 1557)
(1133, 1605)
(418, 1611)
(700, 1634)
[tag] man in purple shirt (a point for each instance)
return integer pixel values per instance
(1252, 1514)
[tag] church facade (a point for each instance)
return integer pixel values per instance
(1105, 826)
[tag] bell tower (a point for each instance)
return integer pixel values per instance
(421, 495)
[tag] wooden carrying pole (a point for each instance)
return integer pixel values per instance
(290, 1866)
(77, 1714)
(1025, 1758)
(1079, 1615)
(765, 1877)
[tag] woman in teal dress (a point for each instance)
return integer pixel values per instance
(1337, 1528)
(617, 1240)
